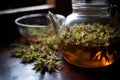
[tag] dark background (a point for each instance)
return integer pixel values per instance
(8, 29)
(62, 6)
(10, 4)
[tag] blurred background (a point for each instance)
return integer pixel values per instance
(61, 6)
(10, 4)
(11, 9)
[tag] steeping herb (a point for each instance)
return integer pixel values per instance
(89, 39)
(89, 34)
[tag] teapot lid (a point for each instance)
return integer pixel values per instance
(90, 1)
(100, 3)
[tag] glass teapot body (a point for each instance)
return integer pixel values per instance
(89, 37)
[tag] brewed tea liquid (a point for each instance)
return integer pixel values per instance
(82, 59)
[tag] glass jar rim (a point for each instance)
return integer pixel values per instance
(90, 4)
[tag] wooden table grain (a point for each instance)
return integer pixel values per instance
(12, 69)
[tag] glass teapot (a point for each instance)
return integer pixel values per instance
(90, 36)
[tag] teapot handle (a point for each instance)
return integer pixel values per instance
(113, 10)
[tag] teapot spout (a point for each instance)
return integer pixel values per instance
(53, 21)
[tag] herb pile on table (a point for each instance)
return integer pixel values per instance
(43, 53)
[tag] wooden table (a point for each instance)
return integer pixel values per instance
(12, 69)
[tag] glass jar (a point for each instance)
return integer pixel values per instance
(90, 36)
